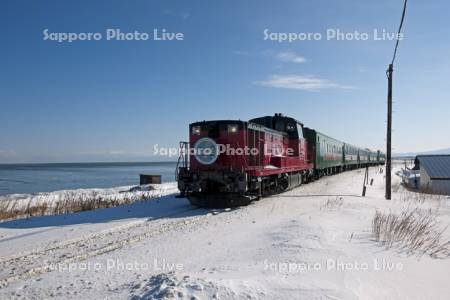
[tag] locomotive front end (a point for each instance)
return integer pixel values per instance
(216, 159)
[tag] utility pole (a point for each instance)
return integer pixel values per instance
(389, 133)
(389, 112)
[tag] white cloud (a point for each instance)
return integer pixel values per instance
(112, 152)
(290, 57)
(7, 156)
(301, 82)
(361, 69)
(239, 52)
(183, 15)
(7, 153)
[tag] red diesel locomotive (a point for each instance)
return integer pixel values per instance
(230, 163)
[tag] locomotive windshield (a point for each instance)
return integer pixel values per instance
(280, 126)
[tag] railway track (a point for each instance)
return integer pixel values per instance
(39, 261)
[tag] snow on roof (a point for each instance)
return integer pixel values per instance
(437, 166)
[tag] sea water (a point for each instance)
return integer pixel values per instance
(34, 178)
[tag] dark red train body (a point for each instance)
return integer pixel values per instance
(232, 162)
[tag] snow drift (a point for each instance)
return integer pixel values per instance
(67, 201)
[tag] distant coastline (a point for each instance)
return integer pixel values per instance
(98, 163)
(29, 178)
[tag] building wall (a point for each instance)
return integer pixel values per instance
(441, 186)
(433, 186)
(424, 179)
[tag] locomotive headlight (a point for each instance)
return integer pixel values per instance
(232, 128)
(196, 130)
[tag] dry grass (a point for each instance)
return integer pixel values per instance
(18, 208)
(413, 230)
(333, 203)
(9, 210)
(421, 197)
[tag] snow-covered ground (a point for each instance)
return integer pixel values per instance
(23, 205)
(313, 242)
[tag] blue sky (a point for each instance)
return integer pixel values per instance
(114, 100)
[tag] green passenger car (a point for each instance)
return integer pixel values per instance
(329, 152)
(381, 157)
(350, 156)
(363, 156)
(373, 157)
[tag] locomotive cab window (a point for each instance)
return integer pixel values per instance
(291, 129)
(280, 126)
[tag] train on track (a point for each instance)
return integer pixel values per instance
(229, 163)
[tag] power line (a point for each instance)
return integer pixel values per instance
(399, 31)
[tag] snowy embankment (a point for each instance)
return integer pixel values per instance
(68, 201)
(314, 242)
